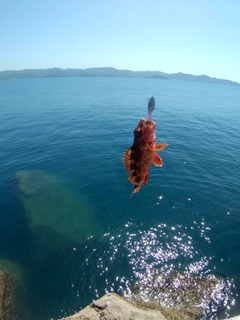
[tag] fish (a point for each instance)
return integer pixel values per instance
(139, 157)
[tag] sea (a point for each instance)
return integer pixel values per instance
(70, 230)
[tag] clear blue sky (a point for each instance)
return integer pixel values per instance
(190, 36)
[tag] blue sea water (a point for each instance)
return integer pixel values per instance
(187, 218)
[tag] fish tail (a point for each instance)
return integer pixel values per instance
(136, 189)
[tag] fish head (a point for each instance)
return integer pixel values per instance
(144, 134)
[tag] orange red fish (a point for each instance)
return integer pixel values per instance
(142, 153)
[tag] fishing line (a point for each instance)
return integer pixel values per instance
(150, 87)
(150, 97)
(150, 93)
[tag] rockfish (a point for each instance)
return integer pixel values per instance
(142, 153)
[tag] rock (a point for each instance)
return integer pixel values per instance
(113, 307)
(180, 295)
(13, 291)
(6, 296)
(14, 269)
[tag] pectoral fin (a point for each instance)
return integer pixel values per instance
(157, 160)
(161, 146)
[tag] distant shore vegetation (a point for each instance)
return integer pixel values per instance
(107, 72)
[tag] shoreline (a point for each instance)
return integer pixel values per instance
(110, 306)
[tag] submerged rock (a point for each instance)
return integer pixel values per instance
(13, 288)
(111, 306)
(14, 269)
(179, 294)
(52, 205)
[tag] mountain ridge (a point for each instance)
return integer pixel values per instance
(108, 72)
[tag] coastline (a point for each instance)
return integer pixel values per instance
(112, 306)
(109, 307)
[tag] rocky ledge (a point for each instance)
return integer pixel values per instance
(113, 307)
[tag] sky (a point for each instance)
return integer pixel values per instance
(189, 36)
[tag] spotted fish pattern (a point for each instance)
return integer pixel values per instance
(142, 153)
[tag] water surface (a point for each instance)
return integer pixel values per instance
(68, 136)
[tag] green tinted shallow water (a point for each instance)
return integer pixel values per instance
(67, 219)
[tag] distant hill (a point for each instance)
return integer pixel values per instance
(107, 72)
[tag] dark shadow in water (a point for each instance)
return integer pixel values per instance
(15, 245)
(67, 278)
(15, 236)
(60, 274)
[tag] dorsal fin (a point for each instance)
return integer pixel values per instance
(131, 165)
(127, 159)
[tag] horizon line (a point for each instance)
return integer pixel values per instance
(134, 71)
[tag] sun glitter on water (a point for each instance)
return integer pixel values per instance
(170, 273)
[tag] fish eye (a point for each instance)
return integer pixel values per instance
(139, 132)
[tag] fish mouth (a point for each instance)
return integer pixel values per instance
(144, 127)
(149, 123)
